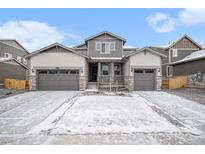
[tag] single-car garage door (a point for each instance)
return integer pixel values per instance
(144, 79)
(58, 79)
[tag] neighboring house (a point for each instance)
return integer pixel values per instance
(192, 65)
(11, 68)
(13, 64)
(175, 51)
(101, 59)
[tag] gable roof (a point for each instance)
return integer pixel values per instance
(184, 36)
(3, 59)
(147, 49)
(193, 56)
(79, 45)
(105, 32)
(53, 45)
(166, 46)
(13, 43)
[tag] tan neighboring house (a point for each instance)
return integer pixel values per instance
(102, 60)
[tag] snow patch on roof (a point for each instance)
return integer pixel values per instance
(3, 59)
(195, 55)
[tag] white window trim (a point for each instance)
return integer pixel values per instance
(18, 58)
(109, 47)
(114, 46)
(96, 44)
(25, 61)
(9, 55)
(167, 70)
(174, 53)
(105, 50)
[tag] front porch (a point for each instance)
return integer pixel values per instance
(106, 75)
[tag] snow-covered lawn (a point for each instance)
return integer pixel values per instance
(81, 118)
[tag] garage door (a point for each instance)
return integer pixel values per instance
(144, 79)
(58, 79)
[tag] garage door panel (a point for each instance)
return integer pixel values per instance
(144, 80)
(63, 80)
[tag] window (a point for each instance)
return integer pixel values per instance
(138, 71)
(169, 71)
(18, 58)
(174, 53)
(105, 47)
(98, 46)
(118, 69)
(53, 72)
(112, 46)
(105, 69)
(149, 71)
(74, 72)
(25, 61)
(8, 55)
(63, 72)
(42, 72)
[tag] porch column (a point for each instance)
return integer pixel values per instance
(112, 71)
(99, 71)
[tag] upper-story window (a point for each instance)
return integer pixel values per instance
(174, 53)
(8, 55)
(25, 61)
(18, 58)
(105, 47)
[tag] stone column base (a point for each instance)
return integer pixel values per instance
(82, 82)
(32, 82)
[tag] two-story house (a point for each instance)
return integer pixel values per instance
(12, 61)
(102, 59)
(175, 51)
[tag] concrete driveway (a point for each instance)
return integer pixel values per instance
(82, 118)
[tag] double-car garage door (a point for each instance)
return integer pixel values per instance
(144, 79)
(58, 79)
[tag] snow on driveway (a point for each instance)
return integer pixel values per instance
(21, 112)
(188, 112)
(110, 114)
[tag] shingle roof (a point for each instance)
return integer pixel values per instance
(193, 56)
(14, 43)
(105, 32)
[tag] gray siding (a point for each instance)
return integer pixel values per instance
(14, 51)
(12, 71)
(189, 68)
(181, 54)
(106, 38)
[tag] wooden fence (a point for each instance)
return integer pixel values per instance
(15, 84)
(175, 82)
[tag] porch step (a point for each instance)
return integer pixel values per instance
(92, 86)
(114, 87)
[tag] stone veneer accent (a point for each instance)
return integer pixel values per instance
(158, 82)
(82, 82)
(32, 82)
(129, 82)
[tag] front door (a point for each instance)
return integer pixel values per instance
(93, 72)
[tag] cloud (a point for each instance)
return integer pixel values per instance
(161, 22)
(192, 17)
(34, 34)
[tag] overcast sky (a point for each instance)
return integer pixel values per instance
(36, 28)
